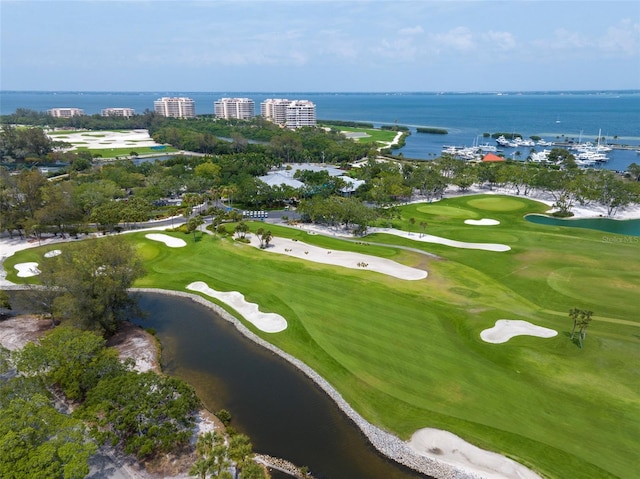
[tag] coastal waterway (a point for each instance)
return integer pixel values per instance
(284, 412)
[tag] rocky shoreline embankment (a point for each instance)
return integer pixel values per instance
(386, 443)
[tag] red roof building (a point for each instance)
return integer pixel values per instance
(489, 157)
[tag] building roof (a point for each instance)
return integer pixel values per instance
(277, 179)
(492, 157)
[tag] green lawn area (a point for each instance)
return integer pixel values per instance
(114, 152)
(374, 134)
(408, 354)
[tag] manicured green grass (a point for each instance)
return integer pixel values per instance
(407, 354)
(114, 152)
(375, 134)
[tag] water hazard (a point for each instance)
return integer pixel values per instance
(608, 225)
(285, 414)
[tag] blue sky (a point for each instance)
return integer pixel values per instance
(330, 45)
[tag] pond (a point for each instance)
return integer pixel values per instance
(284, 412)
(608, 225)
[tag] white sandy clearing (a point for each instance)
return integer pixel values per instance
(505, 329)
(107, 139)
(346, 259)
(51, 254)
(482, 222)
(170, 241)
(267, 322)
(443, 241)
(451, 449)
(26, 270)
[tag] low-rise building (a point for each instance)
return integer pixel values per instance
(65, 112)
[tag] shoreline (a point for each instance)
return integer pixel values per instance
(387, 444)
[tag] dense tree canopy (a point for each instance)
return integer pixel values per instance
(145, 412)
(92, 280)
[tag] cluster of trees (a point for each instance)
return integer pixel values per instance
(106, 196)
(88, 285)
(144, 414)
(218, 455)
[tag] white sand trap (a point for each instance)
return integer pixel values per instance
(451, 449)
(26, 270)
(505, 329)
(443, 241)
(482, 222)
(170, 241)
(346, 259)
(267, 322)
(51, 254)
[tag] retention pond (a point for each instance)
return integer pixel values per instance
(284, 412)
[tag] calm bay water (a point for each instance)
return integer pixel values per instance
(553, 116)
(285, 413)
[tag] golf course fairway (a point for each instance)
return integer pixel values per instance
(408, 354)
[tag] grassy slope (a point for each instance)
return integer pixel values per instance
(407, 354)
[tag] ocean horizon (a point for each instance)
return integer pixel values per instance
(468, 117)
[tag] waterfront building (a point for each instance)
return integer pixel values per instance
(228, 108)
(65, 112)
(175, 107)
(289, 113)
(124, 112)
(275, 110)
(301, 113)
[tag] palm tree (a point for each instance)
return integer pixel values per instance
(574, 313)
(212, 455)
(585, 319)
(423, 225)
(242, 229)
(240, 451)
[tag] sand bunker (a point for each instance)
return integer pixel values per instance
(267, 322)
(170, 241)
(443, 241)
(449, 448)
(345, 259)
(26, 270)
(51, 254)
(505, 329)
(482, 222)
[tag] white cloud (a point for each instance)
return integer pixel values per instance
(502, 41)
(417, 30)
(459, 38)
(623, 38)
(399, 50)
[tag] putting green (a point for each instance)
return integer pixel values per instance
(498, 203)
(447, 211)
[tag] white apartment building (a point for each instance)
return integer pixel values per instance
(124, 112)
(301, 113)
(175, 107)
(275, 109)
(290, 113)
(65, 112)
(240, 108)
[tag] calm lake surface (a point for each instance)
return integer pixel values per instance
(608, 225)
(285, 413)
